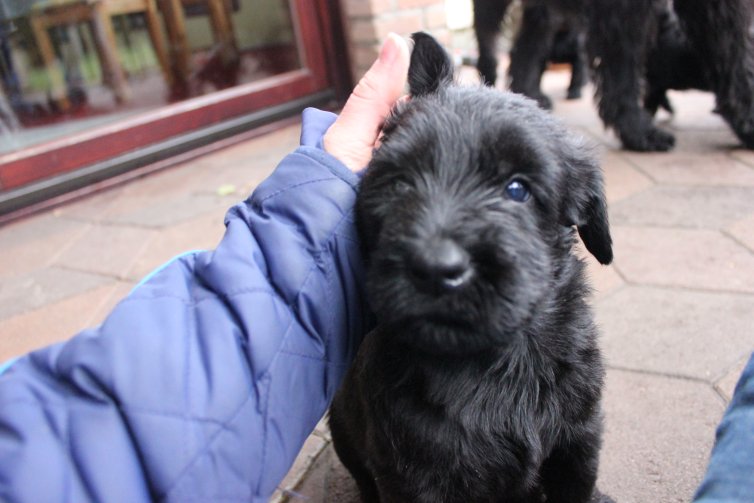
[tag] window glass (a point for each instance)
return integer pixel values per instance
(68, 66)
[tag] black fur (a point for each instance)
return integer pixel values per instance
(482, 380)
(431, 70)
(672, 64)
(621, 35)
(568, 45)
(720, 33)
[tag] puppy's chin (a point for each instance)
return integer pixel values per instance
(447, 335)
(475, 319)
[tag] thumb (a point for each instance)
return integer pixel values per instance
(352, 136)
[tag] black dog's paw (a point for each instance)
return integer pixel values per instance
(599, 497)
(659, 140)
(748, 141)
(573, 94)
(543, 101)
(745, 133)
(650, 139)
(740, 120)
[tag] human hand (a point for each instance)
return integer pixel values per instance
(352, 137)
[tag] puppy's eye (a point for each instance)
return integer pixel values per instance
(517, 191)
(401, 187)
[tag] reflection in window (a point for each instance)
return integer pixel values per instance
(72, 65)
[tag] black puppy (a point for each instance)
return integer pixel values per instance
(482, 380)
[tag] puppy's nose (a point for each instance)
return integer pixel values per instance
(441, 265)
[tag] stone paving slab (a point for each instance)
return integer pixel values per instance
(201, 233)
(745, 156)
(743, 231)
(623, 179)
(20, 294)
(698, 169)
(92, 208)
(310, 453)
(161, 213)
(327, 482)
(668, 331)
(57, 321)
(702, 142)
(108, 250)
(727, 385)
(685, 207)
(603, 280)
(683, 258)
(658, 435)
(34, 243)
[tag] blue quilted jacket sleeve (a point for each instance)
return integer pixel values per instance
(730, 474)
(203, 384)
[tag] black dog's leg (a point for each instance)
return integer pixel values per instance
(530, 53)
(570, 473)
(578, 69)
(618, 33)
(657, 98)
(488, 14)
(719, 31)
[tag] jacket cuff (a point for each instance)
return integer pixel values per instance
(315, 124)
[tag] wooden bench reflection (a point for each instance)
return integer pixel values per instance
(174, 60)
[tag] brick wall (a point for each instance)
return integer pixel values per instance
(369, 21)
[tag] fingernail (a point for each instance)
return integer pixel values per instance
(389, 50)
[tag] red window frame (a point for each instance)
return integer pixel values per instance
(324, 67)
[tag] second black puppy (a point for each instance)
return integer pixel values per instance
(482, 381)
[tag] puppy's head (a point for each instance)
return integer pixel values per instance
(467, 210)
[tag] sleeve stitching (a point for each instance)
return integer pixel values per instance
(211, 296)
(291, 187)
(124, 408)
(315, 358)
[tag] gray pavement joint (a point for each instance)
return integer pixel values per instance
(665, 375)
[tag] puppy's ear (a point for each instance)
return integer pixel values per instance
(585, 205)
(430, 66)
(594, 231)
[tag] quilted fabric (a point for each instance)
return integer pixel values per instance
(730, 474)
(202, 384)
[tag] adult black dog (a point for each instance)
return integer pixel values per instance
(620, 34)
(482, 380)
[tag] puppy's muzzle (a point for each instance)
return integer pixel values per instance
(440, 265)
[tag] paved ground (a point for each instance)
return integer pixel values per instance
(676, 309)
